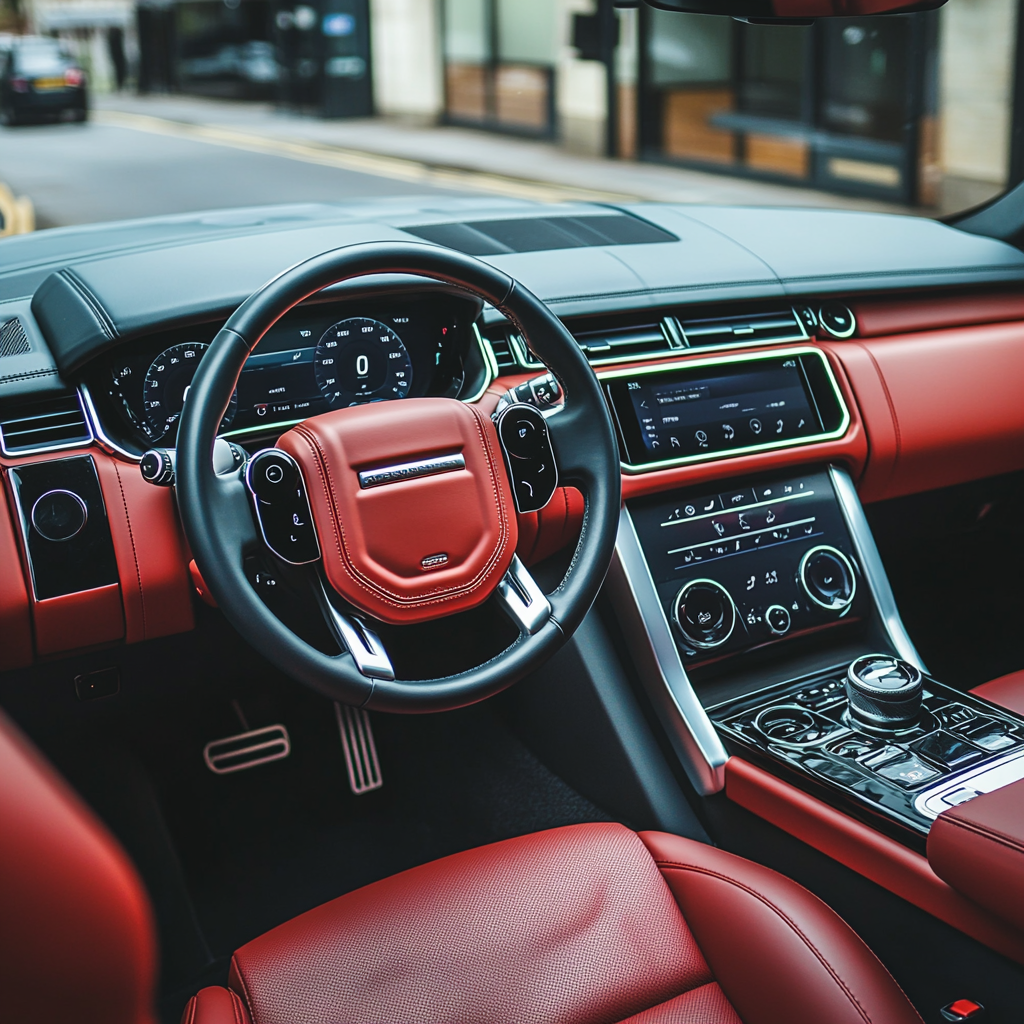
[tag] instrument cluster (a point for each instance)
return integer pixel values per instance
(316, 358)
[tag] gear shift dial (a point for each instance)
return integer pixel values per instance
(884, 692)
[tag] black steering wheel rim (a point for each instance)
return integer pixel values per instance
(218, 522)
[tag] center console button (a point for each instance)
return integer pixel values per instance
(907, 773)
(946, 750)
(778, 619)
(827, 577)
(990, 734)
(884, 756)
(884, 692)
(789, 725)
(855, 746)
(705, 613)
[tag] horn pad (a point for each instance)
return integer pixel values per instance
(431, 538)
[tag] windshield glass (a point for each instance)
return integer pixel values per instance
(193, 105)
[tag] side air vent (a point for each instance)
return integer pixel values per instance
(13, 339)
(754, 329)
(540, 234)
(44, 425)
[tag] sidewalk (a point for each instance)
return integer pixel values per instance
(457, 157)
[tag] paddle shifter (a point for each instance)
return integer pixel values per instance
(884, 692)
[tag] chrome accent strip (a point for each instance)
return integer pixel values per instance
(361, 759)
(802, 576)
(268, 744)
(490, 365)
(658, 664)
(64, 446)
(354, 636)
(521, 599)
(704, 645)
(411, 470)
(262, 428)
(744, 357)
(525, 358)
(984, 778)
(92, 418)
(871, 564)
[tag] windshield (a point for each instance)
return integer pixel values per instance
(193, 105)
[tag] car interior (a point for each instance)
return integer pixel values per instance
(482, 610)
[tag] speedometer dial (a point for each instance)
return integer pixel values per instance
(167, 382)
(360, 360)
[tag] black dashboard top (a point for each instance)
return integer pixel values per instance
(96, 286)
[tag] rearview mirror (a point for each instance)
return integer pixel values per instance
(795, 10)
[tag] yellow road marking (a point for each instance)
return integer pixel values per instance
(397, 168)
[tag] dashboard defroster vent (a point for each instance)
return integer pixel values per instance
(753, 329)
(45, 425)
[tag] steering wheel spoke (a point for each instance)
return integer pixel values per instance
(354, 636)
(521, 599)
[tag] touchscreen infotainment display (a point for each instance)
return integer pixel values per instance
(705, 410)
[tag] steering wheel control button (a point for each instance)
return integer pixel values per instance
(59, 515)
(837, 320)
(778, 619)
(529, 457)
(827, 578)
(705, 613)
(282, 507)
(884, 692)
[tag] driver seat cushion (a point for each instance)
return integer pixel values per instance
(587, 924)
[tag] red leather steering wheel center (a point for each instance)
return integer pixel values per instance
(411, 503)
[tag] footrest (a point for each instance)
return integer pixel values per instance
(247, 749)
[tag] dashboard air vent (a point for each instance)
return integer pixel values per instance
(755, 328)
(13, 339)
(44, 425)
(503, 354)
(614, 344)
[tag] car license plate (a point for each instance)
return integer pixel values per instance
(48, 84)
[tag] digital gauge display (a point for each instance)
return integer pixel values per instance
(166, 386)
(361, 360)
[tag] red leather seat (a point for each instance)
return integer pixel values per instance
(587, 924)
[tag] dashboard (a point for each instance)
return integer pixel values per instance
(318, 357)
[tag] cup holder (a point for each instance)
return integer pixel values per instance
(793, 725)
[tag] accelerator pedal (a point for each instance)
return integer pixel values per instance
(360, 751)
(247, 749)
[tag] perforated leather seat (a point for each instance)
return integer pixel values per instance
(592, 924)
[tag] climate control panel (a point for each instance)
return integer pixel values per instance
(752, 564)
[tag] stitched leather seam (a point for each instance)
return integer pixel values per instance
(435, 597)
(236, 1006)
(99, 313)
(135, 552)
(892, 413)
(245, 987)
(25, 374)
(190, 1012)
(674, 865)
(986, 832)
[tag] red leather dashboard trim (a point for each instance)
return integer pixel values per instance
(877, 317)
(150, 552)
(74, 621)
(555, 526)
(869, 853)
(15, 623)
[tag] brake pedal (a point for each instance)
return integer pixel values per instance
(247, 749)
(360, 751)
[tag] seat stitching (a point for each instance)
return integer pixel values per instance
(785, 917)
(190, 1010)
(236, 1005)
(986, 832)
(245, 987)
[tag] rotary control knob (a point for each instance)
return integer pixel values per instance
(828, 578)
(59, 515)
(884, 692)
(705, 613)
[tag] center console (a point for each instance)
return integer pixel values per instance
(759, 615)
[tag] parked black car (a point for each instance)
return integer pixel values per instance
(40, 81)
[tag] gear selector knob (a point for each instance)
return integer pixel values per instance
(884, 692)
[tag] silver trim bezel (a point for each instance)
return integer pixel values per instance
(838, 335)
(802, 570)
(490, 365)
(22, 453)
(871, 566)
(725, 360)
(659, 666)
(71, 494)
(675, 614)
(100, 436)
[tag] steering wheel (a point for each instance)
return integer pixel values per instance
(412, 508)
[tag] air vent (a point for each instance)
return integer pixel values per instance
(542, 234)
(754, 329)
(45, 425)
(614, 344)
(503, 354)
(13, 339)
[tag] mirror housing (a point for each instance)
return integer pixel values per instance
(794, 11)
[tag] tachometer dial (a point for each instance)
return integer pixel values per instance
(360, 360)
(167, 382)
